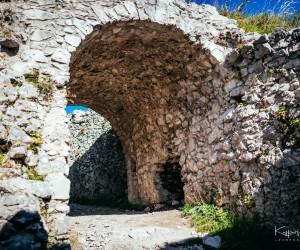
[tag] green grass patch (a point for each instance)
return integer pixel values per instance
(236, 233)
(268, 15)
(7, 33)
(37, 140)
(262, 23)
(208, 218)
(32, 174)
(1, 159)
(45, 87)
(121, 203)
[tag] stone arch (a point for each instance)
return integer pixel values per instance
(138, 75)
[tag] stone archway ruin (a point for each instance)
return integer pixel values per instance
(177, 81)
(140, 86)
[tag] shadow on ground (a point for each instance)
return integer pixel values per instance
(86, 210)
(26, 231)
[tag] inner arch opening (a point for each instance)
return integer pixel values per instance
(137, 74)
(98, 170)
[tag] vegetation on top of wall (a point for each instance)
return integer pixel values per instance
(264, 19)
(236, 233)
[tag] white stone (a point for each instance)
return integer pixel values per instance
(214, 135)
(40, 35)
(37, 14)
(228, 115)
(31, 159)
(59, 185)
(130, 6)
(3, 134)
(246, 157)
(36, 55)
(16, 134)
(18, 152)
(27, 90)
(231, 85)
(37, 188)
(61, 223)
(99, 11)
(121, 10)
(72, 40)
(61, 56)
(62, 207)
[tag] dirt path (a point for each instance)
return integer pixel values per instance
(114, 229)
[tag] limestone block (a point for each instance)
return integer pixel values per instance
(40, 35)
(61, 56)
(60, 224)
(3, 134)
(37, 14)
(73, 40)
(214, 135)
(59, 185)
(234, 188)
(27, 90)
(16, 134)
(18, 152)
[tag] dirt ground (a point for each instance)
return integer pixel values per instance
(115, 229)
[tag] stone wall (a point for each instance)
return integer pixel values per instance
(98, 168)
(175, 80)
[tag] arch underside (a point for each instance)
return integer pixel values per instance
(137, 75)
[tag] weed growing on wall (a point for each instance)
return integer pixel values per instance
(1, 159)
(32, 174)
(45, 87)
(37, 140)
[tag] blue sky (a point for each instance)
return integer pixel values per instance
(255, 6)
(70, 109)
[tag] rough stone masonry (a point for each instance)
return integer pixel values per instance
(181, 86)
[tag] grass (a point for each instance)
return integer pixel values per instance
(1, 159)
(207, 218)
(32, 174)
(265, 19)
(236, 233)
(121, 203)
(283, 115)
(7, 33)
(45, 87)
(37, 140)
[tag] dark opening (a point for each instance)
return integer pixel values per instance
(170, 177)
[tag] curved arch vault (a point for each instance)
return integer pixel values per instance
(136, 74)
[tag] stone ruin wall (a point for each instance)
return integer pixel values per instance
(232, 124)
(97, 168)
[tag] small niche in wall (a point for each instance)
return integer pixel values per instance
(170, 177)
